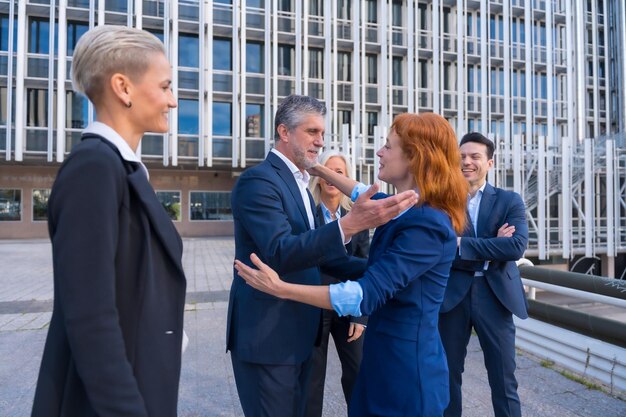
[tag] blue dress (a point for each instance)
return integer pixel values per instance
(404, 370)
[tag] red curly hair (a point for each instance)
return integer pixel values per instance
(430, 145)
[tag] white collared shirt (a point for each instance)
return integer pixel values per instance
(107, 132)
(473, 207)
(302, 180)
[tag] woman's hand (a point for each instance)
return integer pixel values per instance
(355, 331)
(314, 171)
(264, 279)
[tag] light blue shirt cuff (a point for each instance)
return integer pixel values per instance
(346, 298)
(358, 189)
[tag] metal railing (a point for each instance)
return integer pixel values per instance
(586, 343)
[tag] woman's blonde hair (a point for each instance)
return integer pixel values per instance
(314, 184)
(106, 50)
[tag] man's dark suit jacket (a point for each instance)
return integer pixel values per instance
(358, 246)
(114, 343)
(497, 207)
(271, 221)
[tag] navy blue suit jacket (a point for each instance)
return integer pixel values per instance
(404, 370)
(496, 208)
(271, 221)
(114, 342)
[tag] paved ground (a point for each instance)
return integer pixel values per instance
(207, 385)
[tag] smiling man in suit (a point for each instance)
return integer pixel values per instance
(484, 289)
(271, 340)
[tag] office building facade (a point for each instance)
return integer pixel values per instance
(537, 76)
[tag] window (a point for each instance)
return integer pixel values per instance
(316, 63)
(4, 99)
(396, 70)
(37, 105)
(372, 121)
(423, 74)
(396, 13)
(254, 120)
(222, 54)
(40, 204)
(285, 60)
(4, 34)
(316, 8)
(74, 31)
(222, 119)
(210, 205)
(10, 205)
(284, 5)
(344, 66)
(254, 57)
(344, 117)
(76, 111)
(343, 9)
(372, 11)
(170, 200)
(422, 10)
(189, 50)
(38, 39)
(188, 117)
(372, 69)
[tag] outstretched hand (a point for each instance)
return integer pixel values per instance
(264, 279)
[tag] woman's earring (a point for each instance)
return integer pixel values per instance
(129, 105)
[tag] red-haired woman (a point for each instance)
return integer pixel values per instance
(404, 371)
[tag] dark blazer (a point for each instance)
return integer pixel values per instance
(404, 370)
(358, 246)
(114, 343)
(497, 207)
(271, 221)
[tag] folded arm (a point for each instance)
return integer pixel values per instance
(500, 248)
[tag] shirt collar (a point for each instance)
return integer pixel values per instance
(479, 192)
(304, 177)
(112, 136)
(327, 213)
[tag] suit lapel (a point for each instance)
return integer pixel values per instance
(486, 203)
(161, 223)
(287, 176)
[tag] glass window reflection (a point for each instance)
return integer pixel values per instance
(222, 119)
(254, 57)
(170, 200)
(74, 31)
(210, 206)
(188, 50)
(254, 120)
(10, 205)
(40, 204)
(188, 117)
(222, 54)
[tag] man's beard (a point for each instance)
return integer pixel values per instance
(301, 160)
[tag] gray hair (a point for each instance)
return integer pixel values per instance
(106, 50)
(293, 108)
(314, 183)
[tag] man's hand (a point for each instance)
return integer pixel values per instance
(355, 331)
(369, 214)
(506, 231)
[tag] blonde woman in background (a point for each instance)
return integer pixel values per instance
(331, 204)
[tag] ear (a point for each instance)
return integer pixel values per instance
(122, 88)
(283, 133)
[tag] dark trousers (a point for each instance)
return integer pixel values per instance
(349, 356)
(494, 326)
(271, 390)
